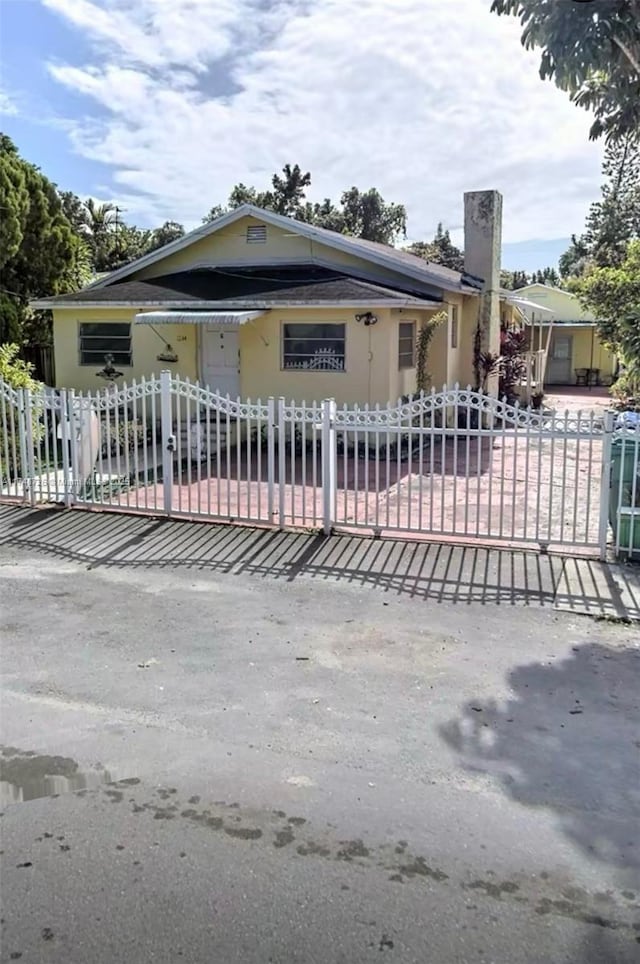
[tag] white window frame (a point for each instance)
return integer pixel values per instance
(455, 327)
(403, 365)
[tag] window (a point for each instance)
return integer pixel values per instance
(454, 326)
(98, 339)
(315, 348)
(406, 344)
(256, 234)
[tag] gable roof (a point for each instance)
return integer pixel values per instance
(572, 303)
(540, 284)
(242, 288)
(380, 254)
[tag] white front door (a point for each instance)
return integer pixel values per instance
(559, 364)
(221, 360)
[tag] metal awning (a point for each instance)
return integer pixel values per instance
(528, 304)
(229, 318)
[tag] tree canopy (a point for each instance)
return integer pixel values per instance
(512, 280)
(613, 295)
(40, 253)
(441, 250)
(614, 220)
(362, 214)
(591, 49)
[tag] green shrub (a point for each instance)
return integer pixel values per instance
(17, 374)
(625, 392)
(119, 438)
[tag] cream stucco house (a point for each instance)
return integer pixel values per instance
(256, 304)
(558, 323)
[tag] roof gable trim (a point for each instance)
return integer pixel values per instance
(329, 239)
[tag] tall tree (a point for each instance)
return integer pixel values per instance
(14, 200)
(363, 214)
(512, 280)
(615, 219)
(165, 234)
(591, 49)
(289, 190)
(367, 215)
(613, 295)
(573, 262)
(546, 276)
(441, 250)
(324, 214)
(75, 211)
(40, 253)
(100, 220)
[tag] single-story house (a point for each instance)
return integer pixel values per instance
(255, 304)
(558, 323)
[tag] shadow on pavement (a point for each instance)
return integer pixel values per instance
(441, 573)
(568, 740)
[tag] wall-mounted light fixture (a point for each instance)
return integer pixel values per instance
(368, 319)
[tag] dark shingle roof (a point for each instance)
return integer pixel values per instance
(230, 287)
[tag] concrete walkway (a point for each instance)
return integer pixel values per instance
(445, 574)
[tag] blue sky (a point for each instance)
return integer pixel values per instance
(163, 105)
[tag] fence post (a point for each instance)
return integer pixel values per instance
(22, 444)
(74, 435)
(168, 440)
(605, 481)
(66, 429)
(329, 465)
(271, 457)
(27, 453)
(282, 473)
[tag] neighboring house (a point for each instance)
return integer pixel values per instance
(255, 304)
(575, 354)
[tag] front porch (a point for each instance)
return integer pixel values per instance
(532, 383)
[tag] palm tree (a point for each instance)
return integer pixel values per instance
(100, 220)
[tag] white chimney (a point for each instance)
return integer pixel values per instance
(482, 245)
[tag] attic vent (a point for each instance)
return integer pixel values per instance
(256, 234)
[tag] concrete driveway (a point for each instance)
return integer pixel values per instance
(211, 755)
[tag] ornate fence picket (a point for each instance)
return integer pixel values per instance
(453, 464)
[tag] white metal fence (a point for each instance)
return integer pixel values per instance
(454, 464)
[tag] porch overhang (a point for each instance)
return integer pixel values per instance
(230, 319)
(525, 303)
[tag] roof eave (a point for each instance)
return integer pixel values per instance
(240, 304)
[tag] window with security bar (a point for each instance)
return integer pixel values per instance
(313, 348)
(97, 339)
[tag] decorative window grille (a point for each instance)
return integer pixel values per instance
(319, 347)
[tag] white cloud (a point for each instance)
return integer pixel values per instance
(421, 98)
(8, 106)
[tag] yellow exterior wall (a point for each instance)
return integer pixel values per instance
(144, 342)
(561, 305)
(455, 353)
(229, 246)
(369, 355)
(372, 374)
(587, 349)
(468, 325)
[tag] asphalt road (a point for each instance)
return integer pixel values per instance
(211, 767)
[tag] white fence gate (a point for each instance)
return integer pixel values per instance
(454, 465)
